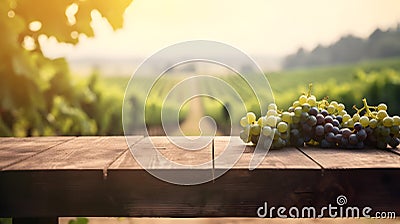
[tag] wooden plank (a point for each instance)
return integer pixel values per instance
(352, 159)
(79, 153)
(14, 150)
(125, 161)
(238, 193)
(67, 180)
(166, 149)
(377, 188)
(275, 159)
(137, 193)
(286, 158)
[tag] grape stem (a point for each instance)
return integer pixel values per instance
(358, 110)
(309, 90)
(367, 108)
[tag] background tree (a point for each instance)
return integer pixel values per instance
(38, 96)
(349, 49)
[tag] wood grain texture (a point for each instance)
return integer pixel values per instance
(353, 159)
(238, 193)
(68, 180)
(79, 153)
(275, 159)
(137, 193)
(13, 150)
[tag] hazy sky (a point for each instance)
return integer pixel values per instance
(271, 27)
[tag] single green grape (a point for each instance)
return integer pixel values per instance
(298, 111)
(342, 112)
(334, 104)
(262, 121)
(396, 120)
(302, 99)
(251, 117)
(364, 121)
(271, 121)
(296, 104)
(282, 127)
(267, 131)
(272, 106)
(305, 107)
(331, 109)
(356, 117)
(255, 129)
(382, 106)
(312, 100)
(350, 123)
(272, 113)
(373, 123)
(340, 107)
(346, 117)
(286, 117)
(387, 122)
(381, 114)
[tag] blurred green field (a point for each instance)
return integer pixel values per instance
(92, 105)
(378, 81)
(346, 83)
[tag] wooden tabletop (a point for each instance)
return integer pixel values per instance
(98, 176)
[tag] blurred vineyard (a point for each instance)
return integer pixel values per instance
(93, 105)
(40, 96)
(378, 81)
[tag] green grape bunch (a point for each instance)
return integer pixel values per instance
(274, 126)
(382, 129)
(323, 123)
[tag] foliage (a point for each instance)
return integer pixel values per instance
(349, 49)
(38, 95)
(345, 83)
(153, 102)
(376, 80)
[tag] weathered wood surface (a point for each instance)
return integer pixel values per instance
(97, 176)
(352, 158)
(276, 159)
(14, 150)
(78, 153)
